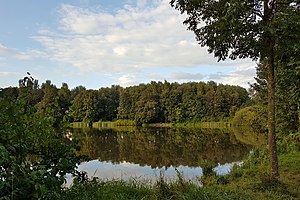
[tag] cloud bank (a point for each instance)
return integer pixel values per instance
(144, 35)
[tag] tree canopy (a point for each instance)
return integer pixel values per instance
(256, 29)
(240, 29)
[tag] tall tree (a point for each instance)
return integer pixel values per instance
(86, 106)
(255, 29)
(29, 90)
(49, 105)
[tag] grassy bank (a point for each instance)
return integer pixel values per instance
(248, 182)
(155, 125)
(102, 124)
(121, 190)
(204, 124)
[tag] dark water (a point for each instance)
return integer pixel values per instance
(143, 154)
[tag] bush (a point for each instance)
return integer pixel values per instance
(253, 116)
(34, 157)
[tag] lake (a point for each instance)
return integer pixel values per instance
(143, 154)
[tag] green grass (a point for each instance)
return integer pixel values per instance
(254, 178)
(164, 191)
(104, 124)
(204, 124)
(107, 190)
(132, 123)
(158, 125)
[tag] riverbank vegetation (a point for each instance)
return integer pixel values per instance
(34, 156)
(251, 181)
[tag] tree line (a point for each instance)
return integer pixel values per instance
(155, 102)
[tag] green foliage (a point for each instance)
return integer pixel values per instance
(92, 105)
(242, 29)
(122, 122)
(287, 94)
(289, 143)
(34, 157)
(155, 102)
(49, 105)
(288, 103)
(166, 102)
(252, 116)
(231, 29)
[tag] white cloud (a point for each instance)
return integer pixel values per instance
(147, 34)
(6, 52)
(187, 76)
(14, 53)
(120, 51)
(127, 80)
(134, 38)
(241, 76)
(9, 73)
(238, 76)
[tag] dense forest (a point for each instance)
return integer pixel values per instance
(165, 102)
(155, 102)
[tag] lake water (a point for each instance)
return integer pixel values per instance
(144, 154)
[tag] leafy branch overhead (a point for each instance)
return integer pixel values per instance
(238, 29)
(267, 30)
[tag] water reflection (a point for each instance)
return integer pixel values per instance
(127, 171)
(144, 153)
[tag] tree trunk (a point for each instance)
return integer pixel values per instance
(269, 45)
(271, 114)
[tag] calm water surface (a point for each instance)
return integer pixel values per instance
(143, 154)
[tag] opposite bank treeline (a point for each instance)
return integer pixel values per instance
(155, 102)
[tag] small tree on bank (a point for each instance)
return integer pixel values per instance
(256, 29)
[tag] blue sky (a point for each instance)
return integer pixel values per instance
(98, 43)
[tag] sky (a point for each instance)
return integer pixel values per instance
(99, 43)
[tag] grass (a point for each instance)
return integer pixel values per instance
(107, 190)
(204, 124)
(159, 191)
(132, 123)
(254, 178)
(158, 125)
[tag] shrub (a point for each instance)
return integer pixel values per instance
(253, 116)
(34, 157)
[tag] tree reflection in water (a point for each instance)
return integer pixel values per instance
(186, 149)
